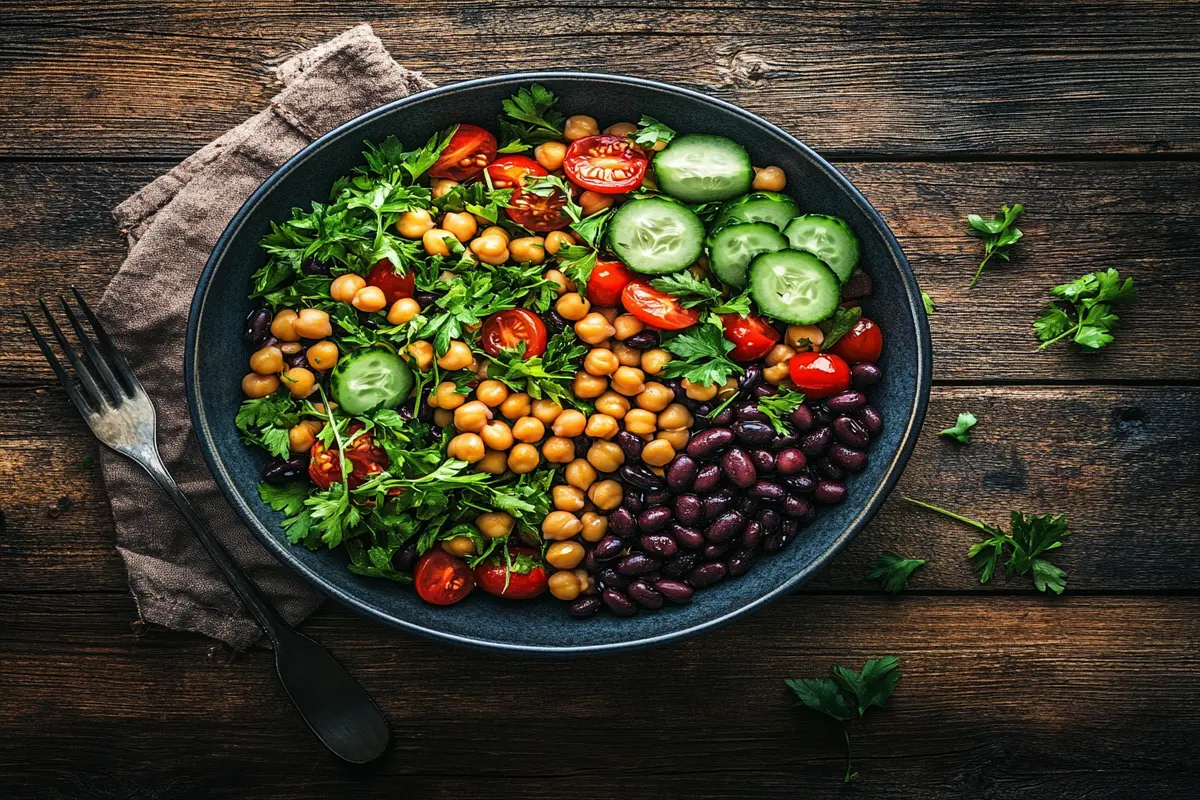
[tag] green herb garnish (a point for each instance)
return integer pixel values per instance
(961, 431)
(998, 234)
(892, 571)
(1083, 310)
(701, 356)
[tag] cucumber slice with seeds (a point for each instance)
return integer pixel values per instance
(733, 247)
(655, 235)
(770, 207)
(794, 286)
(700, 168)
(828, 238)
(369, 380)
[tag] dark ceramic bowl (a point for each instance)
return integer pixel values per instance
(216, 358)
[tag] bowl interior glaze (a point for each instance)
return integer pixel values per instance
(215, 362)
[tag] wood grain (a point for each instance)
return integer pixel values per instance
(1000, 698)
(159, 79)
(1142, 218)
(1123, 463)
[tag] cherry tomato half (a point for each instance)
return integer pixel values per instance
(605, 164)
(819, 374)
(608, 279)
(393, 284)
(325, 467)
(526, 579)
(471, 148)
(863, 342)
(536, 213)
(655, 308)
(505, 330)
(442, 579)
(752, 336)
(509, 172)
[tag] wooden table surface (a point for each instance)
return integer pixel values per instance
(1087, 112)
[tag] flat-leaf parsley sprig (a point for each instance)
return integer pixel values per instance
(1083, 310)
(961, 430)
(998, 234)
(892, 571)
(701, 356)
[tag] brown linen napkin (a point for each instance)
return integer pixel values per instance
(172, 225)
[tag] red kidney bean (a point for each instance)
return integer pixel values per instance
(680, 565)
(706, 574)
(297, 360)
(688, 509)
(753, 432)
(704, 409)
(828, 468)
(738, 467)
(589, 560)
(279, 472)
(675, 591)
(608, 548)
(748, 411)
(583, 443)
(764, 390)
(769, 519)
(687, 536)
(609, 577)
(634, 501)
(801, 483)
(790, 461)
(618, 603)
(257, 327)
(789, 526)
(645, 596)
(640, 477)
(871, 419)
(817, 442)
(716, 503)
(830, 493)
(856, 286)
(764, 460)
(822, 414)
(315, 266)
(630, 445)
(659, 544)
(849, 458)
(795, 506)
(851, 432)
(751, 378)
(621, 522)
(657, 498)
(864, 375)
(643, 340)
(767, 491)
(681, 473)
(739, 563)
(725, 527)
(585, 606)
(425, 299)
(748, 506)
(846, 401)
(802, 418)
(707, 444)
(752, 533)
(713, 552)
(722, 418)
(707, 479)
(405, 558)
(773, 543)
(555, 322)
(784, 441)
(637, 564)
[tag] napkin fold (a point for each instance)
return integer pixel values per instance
(172, 225)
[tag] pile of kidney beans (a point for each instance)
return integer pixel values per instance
(740, 489)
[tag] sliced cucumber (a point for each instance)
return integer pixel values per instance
(655, 235)
(770, 207)
(828, 238)
(699, 168)
(369, 380)
(794, 286)
(733, 247)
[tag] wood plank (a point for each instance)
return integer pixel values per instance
(1142, 218)
(1000, 698)
(1123, 463)
(161, 78)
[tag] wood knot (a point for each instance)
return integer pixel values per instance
(745, 70)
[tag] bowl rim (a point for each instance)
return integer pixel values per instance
(282, 550)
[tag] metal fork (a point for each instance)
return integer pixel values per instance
(120, 414)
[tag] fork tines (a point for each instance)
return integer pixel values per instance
(103, 373)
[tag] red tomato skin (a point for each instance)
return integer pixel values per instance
(819, 375)
(864, 342)
(656, 309)
(539, 214)
(590, 161)
(752, 336)
(508, 172)
(442, 579)
(490, 578)
(608, 280)
(468, 141)
(522, 323)
(394, 287)
(365, 460)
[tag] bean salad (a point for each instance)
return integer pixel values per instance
(612, 365)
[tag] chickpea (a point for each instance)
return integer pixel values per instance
(696, 391)
(282, 326)
(675, 415)
(600, 361)
(654, 360)
(523, 458)
(494, 462)
(658, 453)
(579, 126)
(490, 249)
(558, 450)
(290, 348)
(594, 526)
(403, 310)
(594, 202)
(770, 179)
(421, 353)
(528, 429)
(461, 546)
(344, 287)
(811, 334)
(267, 361)
(641, 422)
(461, 224)
(443, 187)
(612, 404)
(302, 436)
(560, 280)
(495, 524)
(628, 356)
(515, 406)
(546, 411)
(593, 328)
(301, 382)
(497, 435)
(472, 417)
(467, 447)
(655, 397)
(557, 240)
(567, 498)
(569, 423)
(588, 386)
(605, 457)
(312, 323)
(434, 241)
(369, 299)
(572, 307)
(459, 356)
(560, 525)
(778, 354)
(528, 248)
(580, 474)
(413, 224)
(443, 418)
(491, 393)
(627, 325)
(550, 155)
(620, 129)
(629, 381)
(678, 437)
(496, 230)
(728, 389)
(609, 314)
(606, 494)
(777, 374)
(322, 355)
(564, 585)
(602, 426)
(565, 555)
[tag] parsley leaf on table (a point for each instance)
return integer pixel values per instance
(701, 356)
(998, 234)
(531, 116)
(961, 430)
(778, 407)
(839, 325)
(692, 292)
(1083, 309)
(650, 132)
(928, 301)
(893, 571)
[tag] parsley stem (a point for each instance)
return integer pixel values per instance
(973, 523)
(851, 775)
(986, 258)
(1075, 329)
